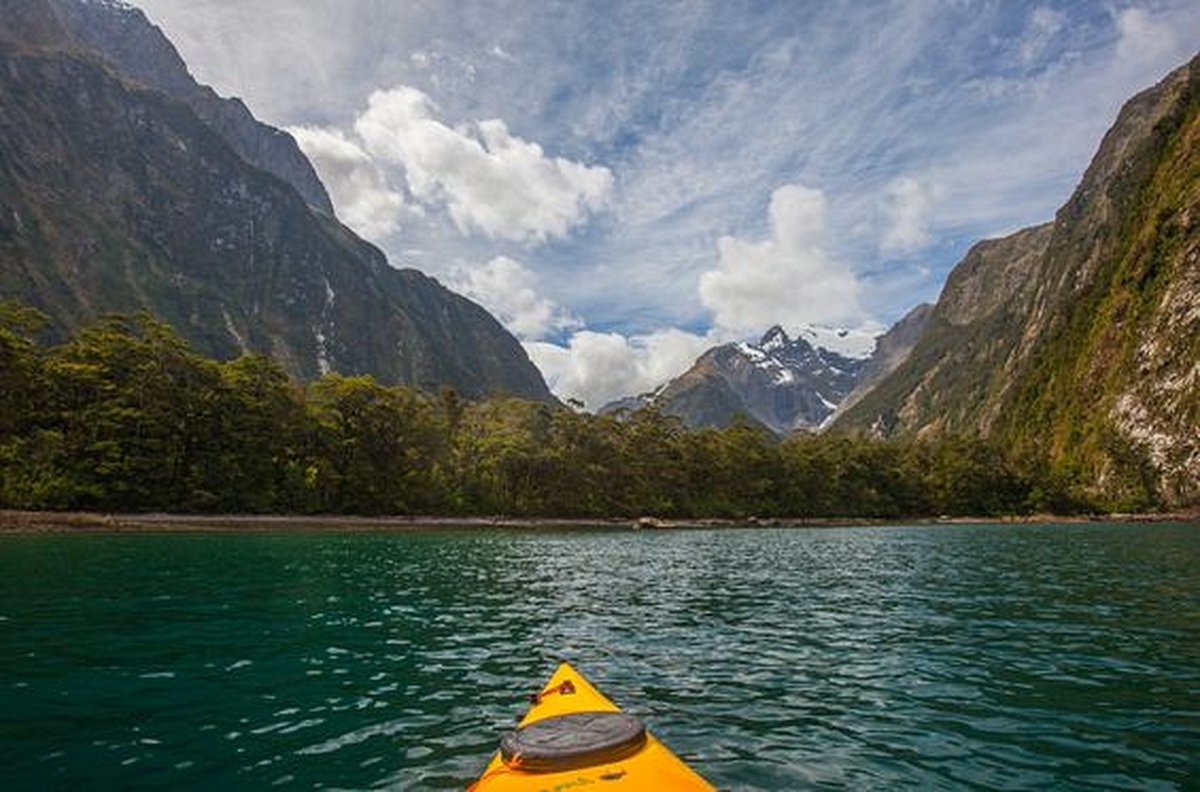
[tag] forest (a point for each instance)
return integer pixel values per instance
(125, 417)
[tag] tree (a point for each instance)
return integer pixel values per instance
(137, 413)
(374, 449)
(255, 464)
(500, 457)
(20, 367)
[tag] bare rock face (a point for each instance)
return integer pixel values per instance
(1079, 339)
(994, 273)
(119, 197)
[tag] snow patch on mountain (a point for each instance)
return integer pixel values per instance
(857, 343)
(115, 5)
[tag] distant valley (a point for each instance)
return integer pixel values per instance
(126, 186)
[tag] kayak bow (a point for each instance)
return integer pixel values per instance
(574, 735)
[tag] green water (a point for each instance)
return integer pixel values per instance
(1002, 657)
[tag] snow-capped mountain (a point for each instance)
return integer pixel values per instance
(781, 382)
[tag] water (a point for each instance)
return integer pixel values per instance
(1015, 657)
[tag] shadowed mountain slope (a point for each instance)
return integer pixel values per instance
(115, 196)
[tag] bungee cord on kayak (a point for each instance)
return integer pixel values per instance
(566, 688)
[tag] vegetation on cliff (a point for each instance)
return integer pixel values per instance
(1078, 340)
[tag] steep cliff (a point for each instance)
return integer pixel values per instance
(118, 197)
(138, 50)
(1080, 339)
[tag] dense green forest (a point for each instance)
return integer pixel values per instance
(123, 416)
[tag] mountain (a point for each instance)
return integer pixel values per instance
(139, 51)
(116, 195)
(890, 350)
(783, 383)
(1078, 340)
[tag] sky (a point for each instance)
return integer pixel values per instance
(624, 184)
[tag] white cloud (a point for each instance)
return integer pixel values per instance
(598, 368)
(507, 288)
(357, 187)
(907, 204)
(786, 279)
(488, 179)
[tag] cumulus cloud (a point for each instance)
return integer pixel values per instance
(507, 288)
(787, 278)
(598, 368)
(906, 204)
(357, 186)
(488, 179)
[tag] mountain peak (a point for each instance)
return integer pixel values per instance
(775, 338)
(782, 383)
(138, 50)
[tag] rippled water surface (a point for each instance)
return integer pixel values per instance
(931, 657)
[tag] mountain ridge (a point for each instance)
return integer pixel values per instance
(140, 51)
(783, 383)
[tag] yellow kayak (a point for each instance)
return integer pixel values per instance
(574, 736)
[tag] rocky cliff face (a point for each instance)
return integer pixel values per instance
(891, 350)
(139, 51)
(119, 197)
(1080, 339)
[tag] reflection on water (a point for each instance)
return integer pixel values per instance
(995, 656)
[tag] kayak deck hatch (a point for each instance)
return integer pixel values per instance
(573, 734)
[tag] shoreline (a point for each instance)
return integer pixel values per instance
(14, 521)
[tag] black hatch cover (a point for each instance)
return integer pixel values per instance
(578, 739)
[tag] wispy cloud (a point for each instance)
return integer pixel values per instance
(1145, 38)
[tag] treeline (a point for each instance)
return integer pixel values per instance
(125, 417)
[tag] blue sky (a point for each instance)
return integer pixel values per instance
(626, 183)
